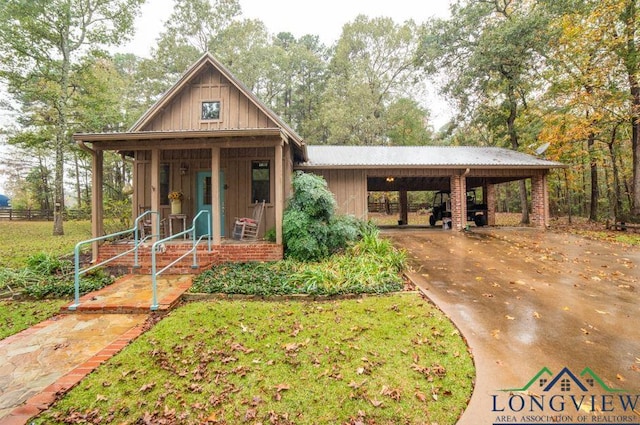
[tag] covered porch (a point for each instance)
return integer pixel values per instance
(223, 172)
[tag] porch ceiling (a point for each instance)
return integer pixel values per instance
(421, 183)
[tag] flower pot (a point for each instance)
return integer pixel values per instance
(176, 206)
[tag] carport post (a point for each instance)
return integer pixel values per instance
(489, 198)
(459, 201)
(539, 201)
(404, 207)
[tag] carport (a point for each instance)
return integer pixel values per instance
(353, 171)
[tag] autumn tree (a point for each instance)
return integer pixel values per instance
(41, 46)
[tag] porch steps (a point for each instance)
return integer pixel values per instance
(169, 254)
(226, 252)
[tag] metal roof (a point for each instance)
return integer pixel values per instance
(420, 156)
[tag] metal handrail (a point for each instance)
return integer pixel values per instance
(137, 243)
(192, 229)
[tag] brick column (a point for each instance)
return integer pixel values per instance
(458, 202)
(489, 198)
(539, 201)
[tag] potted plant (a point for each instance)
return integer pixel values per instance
(175, 199)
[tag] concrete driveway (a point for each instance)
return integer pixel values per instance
(535, 305)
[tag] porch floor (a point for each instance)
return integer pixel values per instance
(133, 294)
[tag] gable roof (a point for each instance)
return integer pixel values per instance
(420, 156)
(208, 60)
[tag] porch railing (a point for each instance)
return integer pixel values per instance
(137, 242)
(154, 249)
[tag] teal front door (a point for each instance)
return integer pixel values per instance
(203, 201)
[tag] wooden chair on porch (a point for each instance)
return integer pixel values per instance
(245, 228)
(146, 227)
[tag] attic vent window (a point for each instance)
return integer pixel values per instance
(211, 110)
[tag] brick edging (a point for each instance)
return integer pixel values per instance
(43, 400)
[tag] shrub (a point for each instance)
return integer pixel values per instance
(311, 229)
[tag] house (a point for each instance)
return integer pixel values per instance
(214, 141)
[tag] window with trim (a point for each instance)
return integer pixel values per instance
(164, 184)
(210, 110)
(260, 181)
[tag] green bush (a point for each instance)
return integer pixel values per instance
(311, 230)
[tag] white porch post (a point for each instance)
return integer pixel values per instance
(215, 196)
(279, 192)
(97, 205)
(155, 189)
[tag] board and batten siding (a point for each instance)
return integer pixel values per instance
(350, 189)
(184, 111)
(235, 163)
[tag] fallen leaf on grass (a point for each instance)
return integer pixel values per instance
(421, 396)
(536, 314)
(375, 402)
(393, 393)
(620, 378)
(101, 397)
(509, 317)
(147, 387)
(279, 389)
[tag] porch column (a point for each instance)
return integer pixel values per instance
(458, 202)
(539, 201)
(279, 192)
(97, 206)
(155, 191)
(404, 207)
(215, 196)
(489, 198)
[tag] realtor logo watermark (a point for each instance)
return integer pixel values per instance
(566, 398)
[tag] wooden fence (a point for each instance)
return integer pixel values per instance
(13, 214)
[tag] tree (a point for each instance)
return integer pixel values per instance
(41, 43)
(373, 65)
(489, 55)
(408, 123)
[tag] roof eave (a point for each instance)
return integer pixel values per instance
(172, 135)
(430, 166)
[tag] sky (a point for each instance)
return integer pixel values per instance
(323, 18)
(299, 17)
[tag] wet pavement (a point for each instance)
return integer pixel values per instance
(527, 300)
(46, 360)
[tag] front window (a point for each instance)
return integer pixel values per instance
(211, 110)
(164, 184)
(260, 181)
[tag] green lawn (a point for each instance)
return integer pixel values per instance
(378, 360)
(16, 316)
(20, 239)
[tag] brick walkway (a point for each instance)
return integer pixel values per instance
(43, 362)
